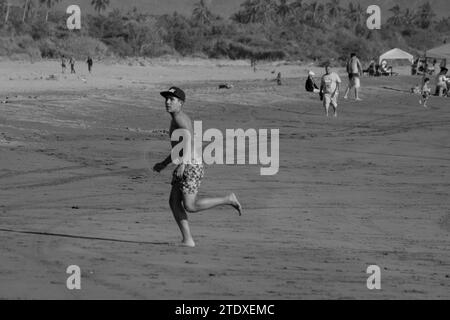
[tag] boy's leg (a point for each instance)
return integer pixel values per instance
(189, 188)
(425, 100)
(334, 104)
(326, 103)
(357, 95)
(180, 216)
(347, 91)
(192, 204)
(357, 86)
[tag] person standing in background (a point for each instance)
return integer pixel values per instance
(90, 62)
(354, 70)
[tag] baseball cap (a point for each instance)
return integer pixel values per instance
(174, 92)
(311, 73)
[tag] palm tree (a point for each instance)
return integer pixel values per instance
(296, 4)
(283, 9)
(100, 5)
(297, 9)
(27, 8)
(201, 12)
(355, 13)
(395, 19)
(334, 9)
(321, 15)
(8, 7)
(49, 4)
(264, 10)
(425, 15)
(408, 17)
(311, 12)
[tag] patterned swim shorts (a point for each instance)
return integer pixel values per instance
(191, 180)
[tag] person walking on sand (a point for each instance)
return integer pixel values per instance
(89, 62)
(63, 63)
(425, 92)
(72, 65)
(329, 89)
(354, 70)
(187, 175)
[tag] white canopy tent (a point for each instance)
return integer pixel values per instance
(441, 52)
(397, 54)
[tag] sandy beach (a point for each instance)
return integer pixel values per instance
(76, 186)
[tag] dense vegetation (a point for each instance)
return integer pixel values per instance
(261, 29)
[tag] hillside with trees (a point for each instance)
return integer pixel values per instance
(260, 29)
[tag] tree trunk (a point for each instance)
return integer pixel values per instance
(7, 12)
(25, 10)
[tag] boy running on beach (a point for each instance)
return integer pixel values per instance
(426, 92)
(187, 175)
(329, 89)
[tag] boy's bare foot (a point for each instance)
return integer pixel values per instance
(358, 99)
(188, 243)
(235, 203)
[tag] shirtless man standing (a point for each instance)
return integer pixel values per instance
(329, 89)
(355, 70)
(187, 176)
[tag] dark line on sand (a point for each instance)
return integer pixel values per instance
(82, 237)
(384, 154)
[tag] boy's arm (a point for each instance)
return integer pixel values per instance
(162, 165)
(181, 124)
(338, 85)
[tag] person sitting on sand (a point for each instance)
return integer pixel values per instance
(371, 69)
(310, 84)
(385, 70)
(187, 176)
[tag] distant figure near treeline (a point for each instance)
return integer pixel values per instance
(90, 62)
(72, 65)
(253, 64)
(63, 63)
